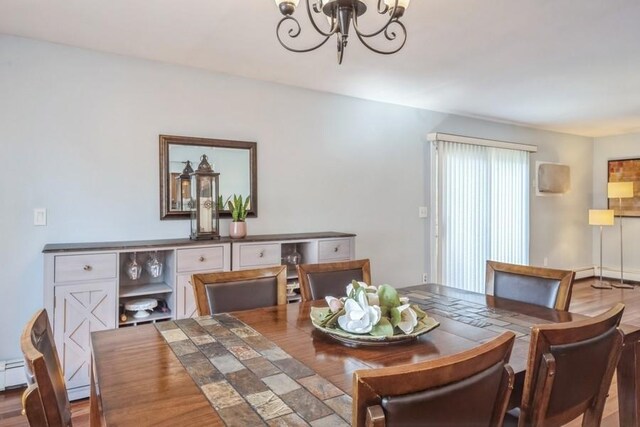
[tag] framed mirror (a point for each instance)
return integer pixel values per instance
(235, 161)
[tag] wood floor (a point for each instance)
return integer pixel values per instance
(585, 300)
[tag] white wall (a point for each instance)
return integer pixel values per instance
(605, 149)
(80, 138)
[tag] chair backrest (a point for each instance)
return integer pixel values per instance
(546, 287)
(45, 402)
(32, 407)
(570, 369)
(464, 389)
(331, 279)
(239, 290)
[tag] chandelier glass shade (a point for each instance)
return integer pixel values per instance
(343, 18)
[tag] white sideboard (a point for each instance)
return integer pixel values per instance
(86, 285)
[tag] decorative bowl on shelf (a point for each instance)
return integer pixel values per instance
(370, 316)
(141, 307)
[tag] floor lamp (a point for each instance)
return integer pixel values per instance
(620, 190)
(601, 217)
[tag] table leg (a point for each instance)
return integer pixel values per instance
(628, 380)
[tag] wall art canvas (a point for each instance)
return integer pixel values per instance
(625, 170)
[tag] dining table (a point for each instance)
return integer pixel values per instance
(271, 366)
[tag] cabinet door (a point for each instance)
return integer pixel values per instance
(80, 310)
(185, 301)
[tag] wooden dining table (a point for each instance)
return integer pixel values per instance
(137, 379)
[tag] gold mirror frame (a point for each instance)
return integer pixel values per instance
(165, 174)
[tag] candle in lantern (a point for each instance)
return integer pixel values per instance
(206, 219)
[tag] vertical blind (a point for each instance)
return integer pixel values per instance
(483, 199)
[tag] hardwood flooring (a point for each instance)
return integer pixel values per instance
(585, 300)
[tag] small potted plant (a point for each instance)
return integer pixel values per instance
(238, 208)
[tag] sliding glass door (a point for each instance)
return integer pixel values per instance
(482, 211)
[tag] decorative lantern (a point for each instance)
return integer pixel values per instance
(204, 206)
(184, 188)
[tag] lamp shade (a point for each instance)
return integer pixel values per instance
(600, 217)
(620, 190)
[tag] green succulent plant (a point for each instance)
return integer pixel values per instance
(222, 203)
(238, 208)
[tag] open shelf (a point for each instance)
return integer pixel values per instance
(152, 318)
(144, 289)
(294, 297)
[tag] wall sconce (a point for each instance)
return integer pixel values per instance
(204, 202)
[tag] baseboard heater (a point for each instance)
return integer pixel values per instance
(584, 272)
(12, 374)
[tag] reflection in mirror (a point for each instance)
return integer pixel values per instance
(235, 161)
(230, 163)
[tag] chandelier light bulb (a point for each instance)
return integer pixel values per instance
(287, 7)
(399, 11)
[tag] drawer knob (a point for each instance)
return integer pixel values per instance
(201, 259)
(261, 255)
(87, 268)
(336, 249)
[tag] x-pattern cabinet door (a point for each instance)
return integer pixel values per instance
(80, 310)
(186, 301)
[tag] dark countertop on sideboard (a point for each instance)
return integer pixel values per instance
(150, 244)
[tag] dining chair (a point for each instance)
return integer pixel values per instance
(45, 402)
(569, 371)
(331, 279)
(471, 388)
(546, 287)
(222, 292)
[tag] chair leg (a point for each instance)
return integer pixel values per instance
(375, 417)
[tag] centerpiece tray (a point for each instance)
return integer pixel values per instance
(319, 313)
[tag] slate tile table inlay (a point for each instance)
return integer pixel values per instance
(474, 314)
(248, 379)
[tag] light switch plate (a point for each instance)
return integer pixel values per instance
(40, 216)
(423, 212)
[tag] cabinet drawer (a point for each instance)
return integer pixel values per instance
(71, 268)
(200, 259)
(255, 256)
(332, 250)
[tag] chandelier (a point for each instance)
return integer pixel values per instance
(341, 16)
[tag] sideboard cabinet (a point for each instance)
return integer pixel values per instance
(87, 285)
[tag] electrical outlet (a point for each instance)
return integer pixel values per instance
(424, 278)
(423, 212)
(546, 261)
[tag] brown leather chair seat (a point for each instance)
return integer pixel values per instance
(545, 287)
(471, 388)
(223, 292)
(569, 371)
(331, 279)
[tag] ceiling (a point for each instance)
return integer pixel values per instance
(566, 65)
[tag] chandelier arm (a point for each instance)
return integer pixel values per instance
(389, 36)
(382, 10)
(331, 32)
(295, 32)
(375, 33)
